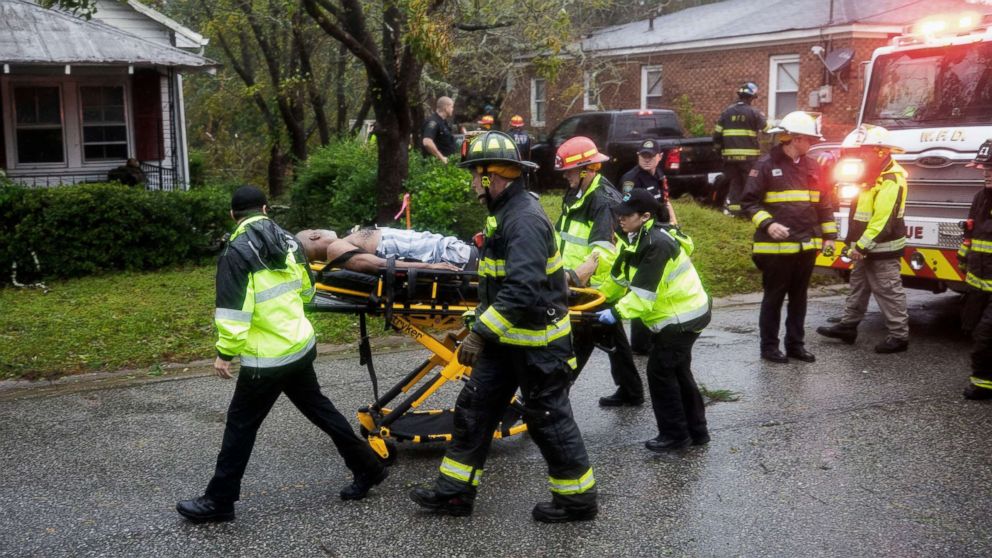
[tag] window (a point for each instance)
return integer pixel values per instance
(104, 125)
(38, 124)
(783, 80)
(538, 100)
(651, 87)
(590, 92)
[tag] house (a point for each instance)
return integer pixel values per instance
(79, 97)
(707, 52)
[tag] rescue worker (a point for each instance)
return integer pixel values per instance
(876, 238)
(975, 260)
(486, 122)
(792, 209)
(262, 282)
(520, 136)
(437, 139)
(586, 228)
(520, 338)
(736, 137)
(653, 279)
(649, 176)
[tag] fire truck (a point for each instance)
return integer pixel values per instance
(932, 89)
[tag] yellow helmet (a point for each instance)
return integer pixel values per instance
(799, 123)
(867, 135)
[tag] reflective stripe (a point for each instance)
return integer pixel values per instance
(492, 268)
(760, 217)
(862, 216)
(554, 264)
(232, 315)
(786, 196)
(718, 128)
(280, 289)
(830, 227)
(786, 247)
(740, 133)
(495, 321)
(978, 283)
(578, 240)
(680, 318)
(742, 152)
(271, 362)
(682, 268)
(983, 246)
(605, 244)
(536, 337)
(644, 293)
(980, 382)
(573, 486)
(890, 246)
(460, 471)
(309, 292)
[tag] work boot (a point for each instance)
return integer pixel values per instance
(892, 345)
(456, 505)
(620, 400)
(665, 444)
(843, 332)
(800, 354)
(701, 439)
(205, 509)
(976, 393)
(359, 488)
(774, 355)
(549, 512)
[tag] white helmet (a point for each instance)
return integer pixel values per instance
(799, 123)
(867, 135)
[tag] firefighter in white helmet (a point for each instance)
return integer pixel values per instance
(792, 209)
(876, 237)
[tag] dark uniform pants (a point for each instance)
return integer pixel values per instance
(640, 337)
(622, 366)
(781, 275)
(678, 405)
(977, 307)
(254, 395)
(543, 379)
(735, 173)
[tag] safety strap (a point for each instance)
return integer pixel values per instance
(365, 354)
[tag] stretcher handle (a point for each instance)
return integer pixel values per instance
(599, 299)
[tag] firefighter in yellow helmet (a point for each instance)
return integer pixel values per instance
(520, 136)
(486, 122)
(520, 339)
(876, 237)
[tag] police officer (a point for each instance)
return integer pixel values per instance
(438, 141)
(520, 136)
(975, 260)
(876, 237)
(736, 136)
(649, 176)
(520, 338)
(262, 283)
(653, 279)
(792, 209)
(586, 228)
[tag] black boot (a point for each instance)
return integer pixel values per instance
(205, 509)
(620, 400)
(549, 512)
(664, 444)
(845, 333)
(892, 345)
(458, 505)
(800, 353)
(359, 488)
(774, 355)
(976, 393)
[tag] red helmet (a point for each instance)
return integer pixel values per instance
(578, 152)
(517, 121)
(487, 119)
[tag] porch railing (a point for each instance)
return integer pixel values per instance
(157, 177)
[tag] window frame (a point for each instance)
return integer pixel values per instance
(534, 121)
(645, 70)
(774, 62)
(589, 86)
(15, 162)
(82, 124)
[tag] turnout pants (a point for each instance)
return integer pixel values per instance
(784, 275)
(622, 366)
(678, 405)
(977, 305)
(880, 278)
(736, 175)
(543, 378)
(254, 395)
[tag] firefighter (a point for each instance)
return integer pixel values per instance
(520, 136)
(975, 260)
(736, 137)
(653, 279)
(792, 209)
(649, 175)
(876, 237)
(486, 123)
(519, 339)
(586, 228)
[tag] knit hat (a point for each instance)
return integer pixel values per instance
(247, 197)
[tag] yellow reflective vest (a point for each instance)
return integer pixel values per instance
(586, 225)
(876, 224)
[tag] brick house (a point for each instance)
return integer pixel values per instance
(79, 97)
(706, 52)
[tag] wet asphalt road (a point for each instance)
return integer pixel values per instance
(855, 455)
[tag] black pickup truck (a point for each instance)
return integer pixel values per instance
(692, 165)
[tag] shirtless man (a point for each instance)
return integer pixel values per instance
(366, 250)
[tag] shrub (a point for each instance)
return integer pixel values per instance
(693, 122)
(85, 229)
(442, 200)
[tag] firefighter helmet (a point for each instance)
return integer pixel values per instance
(749, 89)
(983, 159)
(578, 152)
(517, 121)
(486, 120)
(493, 147)
(799, 123)
(867, 135)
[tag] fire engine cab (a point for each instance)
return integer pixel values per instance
(932, 89)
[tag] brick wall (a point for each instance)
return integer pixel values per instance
(710, 80)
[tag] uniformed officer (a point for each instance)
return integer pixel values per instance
(520, 136)
(649, 175)
(736, 136)
(520, 339)
(792, 209)
(438, 140)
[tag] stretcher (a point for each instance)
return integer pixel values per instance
(411, 302)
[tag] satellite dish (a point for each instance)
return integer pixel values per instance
(839, 59)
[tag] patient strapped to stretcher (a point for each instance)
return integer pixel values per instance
(367, 250)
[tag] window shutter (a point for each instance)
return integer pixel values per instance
(147, 95)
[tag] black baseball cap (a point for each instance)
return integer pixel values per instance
(983, 159)
(649, 146)
(247, 197)
(638, 200)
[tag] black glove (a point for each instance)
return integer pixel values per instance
(469, 350)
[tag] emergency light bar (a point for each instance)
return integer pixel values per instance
(944, 25)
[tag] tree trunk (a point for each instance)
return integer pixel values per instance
(393, 148)
(276, 171)
(342, 101)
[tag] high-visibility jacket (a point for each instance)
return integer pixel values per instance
(792, 193)
(876, 224)
(523, 295)
(653, 279)
(262, 282)
(736, 132)
(587, 224)
(976, 247)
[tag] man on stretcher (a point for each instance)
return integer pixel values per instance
(366, 250)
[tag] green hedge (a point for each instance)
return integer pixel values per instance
(85, 229)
